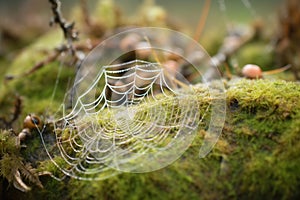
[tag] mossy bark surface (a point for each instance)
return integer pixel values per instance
(257, 156)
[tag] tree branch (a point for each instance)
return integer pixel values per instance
(70, 33)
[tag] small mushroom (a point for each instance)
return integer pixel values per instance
(252, 71)
(32, 121)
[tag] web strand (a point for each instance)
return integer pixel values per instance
(137, 113)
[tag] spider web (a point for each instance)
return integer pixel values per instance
(140, 119)
(135, 116)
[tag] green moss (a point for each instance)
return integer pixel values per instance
(257, 155)
(10, 160)
(34, 53)
(12, 163)
(269, 112)
(8, 143)
(272, 101)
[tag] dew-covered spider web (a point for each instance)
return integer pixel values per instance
(138, 117)
(136, 114)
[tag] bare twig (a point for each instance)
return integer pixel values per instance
(70, 33)
(87, 46)
(36, 67)
(15, 115)
(17, 109)
(276, 71)
(40, 64)
(85, 12)
(235, 40)
(202, 20)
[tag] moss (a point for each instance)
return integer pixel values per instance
(273, 101)
(34, 53)
(12, 165)
(268, 112)
(8, 143)
(257, 156)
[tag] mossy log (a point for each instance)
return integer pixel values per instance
(257, 156)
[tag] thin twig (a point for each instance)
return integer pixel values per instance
(276, 71)
(40, 64)
(17, 109)
(70, 33)
(15, 115)
(234, 41)
(202, 20)
(85, 12)
(87, 46)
